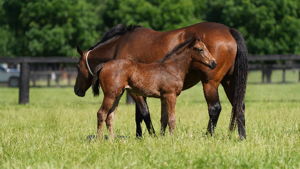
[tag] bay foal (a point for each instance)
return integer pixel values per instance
(163, 79)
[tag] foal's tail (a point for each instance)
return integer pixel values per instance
(240, 81)
(96, 80)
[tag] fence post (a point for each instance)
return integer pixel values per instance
(283, 75)
(263, 74)
(57, 79)
(48, 79)
(69, 78)
(33, 77)
(269, 73)
(24, 83)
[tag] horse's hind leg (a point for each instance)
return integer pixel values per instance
(238, 114)
(214, 106)
(109, 123)
(142, 113)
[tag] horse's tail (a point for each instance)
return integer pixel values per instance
(240, 81)
(96, 79)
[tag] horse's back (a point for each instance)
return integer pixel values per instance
(146, 45)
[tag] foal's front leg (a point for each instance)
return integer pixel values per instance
(168, 103)
(106, 114)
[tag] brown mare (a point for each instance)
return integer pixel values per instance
(162, 80)
(145, 45)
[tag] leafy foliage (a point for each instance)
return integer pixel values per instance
(50, 27)
(159, 15)
(269, 26)
(55, 27)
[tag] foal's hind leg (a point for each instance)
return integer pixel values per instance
(214, 106)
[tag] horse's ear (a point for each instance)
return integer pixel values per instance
(79, 51)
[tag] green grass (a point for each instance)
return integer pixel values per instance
(51, 132)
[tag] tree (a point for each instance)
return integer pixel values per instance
(50, 27)
(269, 26)
(159, 15)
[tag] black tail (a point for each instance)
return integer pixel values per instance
(96, 80)
(240, 82)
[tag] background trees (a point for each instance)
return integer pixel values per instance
(55, 27)
(46, 27)
(269, 26)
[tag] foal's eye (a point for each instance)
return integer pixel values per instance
(199, 50)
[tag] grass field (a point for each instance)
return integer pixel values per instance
(51, 132)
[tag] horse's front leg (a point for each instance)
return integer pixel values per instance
(142, 113)
(168, 103)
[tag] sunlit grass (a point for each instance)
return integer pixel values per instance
(51, 132)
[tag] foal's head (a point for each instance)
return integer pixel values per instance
(200, 53)
(84, 78)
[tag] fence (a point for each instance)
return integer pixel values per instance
(268, 63)
(264, 63)
(25, 71)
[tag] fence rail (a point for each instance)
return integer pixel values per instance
(264, 63)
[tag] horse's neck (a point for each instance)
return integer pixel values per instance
(101, 54)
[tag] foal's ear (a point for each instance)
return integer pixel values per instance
(79, 51)
(193, 41)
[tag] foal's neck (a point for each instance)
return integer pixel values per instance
(180, 61)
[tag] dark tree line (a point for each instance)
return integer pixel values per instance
(55, 27)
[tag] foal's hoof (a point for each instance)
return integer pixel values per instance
(122, 137)
(91, 138)
(94, 137)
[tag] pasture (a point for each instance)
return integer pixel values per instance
(51, 131)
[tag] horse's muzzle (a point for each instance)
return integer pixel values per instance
(213, 65)
(79, 92)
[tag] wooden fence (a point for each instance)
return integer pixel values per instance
(267, 63)
(25, 71)
(264, 63)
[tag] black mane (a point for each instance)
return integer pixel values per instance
(118, 30)
(180, 46)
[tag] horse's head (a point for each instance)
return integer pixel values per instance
(200, 53)
(84, 77)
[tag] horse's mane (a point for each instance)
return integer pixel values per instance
(177, 49)
(118, 30)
